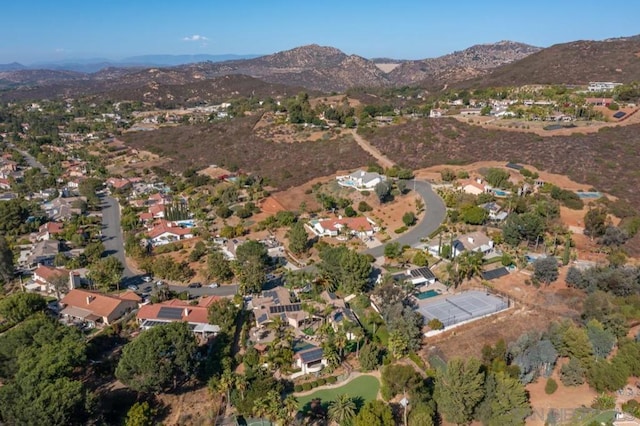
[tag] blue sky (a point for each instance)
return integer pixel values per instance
(42, 30)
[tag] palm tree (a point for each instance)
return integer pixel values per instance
(331, 355)
(290, 405)
(340, 342)
(241, 384)
(342, 409)
(226, 383)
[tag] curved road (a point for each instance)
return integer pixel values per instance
(434, 215)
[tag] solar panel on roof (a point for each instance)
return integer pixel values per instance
(423, 272)
(311, 355)
(262, 318)
(619, 114)
(514, 166)
(170, 313)
(495, 273)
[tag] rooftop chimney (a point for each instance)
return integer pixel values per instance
(186, 312)
(89, 299)
(470, 239)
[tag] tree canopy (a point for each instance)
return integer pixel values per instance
(159, 358)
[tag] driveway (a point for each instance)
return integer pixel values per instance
(435, 213)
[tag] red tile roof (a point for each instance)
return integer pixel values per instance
(100, 304)
(353, 223)
(48, 273)
(51, 227)
(164, 226)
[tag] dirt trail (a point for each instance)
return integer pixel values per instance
(364, 144)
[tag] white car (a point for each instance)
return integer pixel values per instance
(147, 279)
(213, 285)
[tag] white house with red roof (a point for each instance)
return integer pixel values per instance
(5, 184)
(359, 226)
(165, 232)
(43, 278)
(48, 231)
(95, 308)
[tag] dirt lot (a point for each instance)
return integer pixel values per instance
(537, 127)
(191, 408)
(566, 399)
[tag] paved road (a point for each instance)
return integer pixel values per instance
(112, 233)
(31, 161)
(114, 245)
(435, 213)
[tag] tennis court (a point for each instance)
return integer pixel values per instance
(461, 307)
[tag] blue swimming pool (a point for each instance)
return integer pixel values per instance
(500, 193)
(589, 195)
(427, 294)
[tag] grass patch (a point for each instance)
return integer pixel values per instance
(363, 388)
(437, 363)
(419, 362)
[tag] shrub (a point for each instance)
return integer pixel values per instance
(306, 386)
(297, 388)
(332, 379)
(314, 384)
(435, 324)
(364, 207)
(322, 381)
(551, 386)
(400, 230)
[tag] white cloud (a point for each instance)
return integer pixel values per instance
(195, 37)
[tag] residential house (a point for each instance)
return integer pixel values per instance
(48, 231)
(118, 184)
(599, 101)
(436, 113)
(495, 211)
(5, 184)
(341, 313)
(474, 241)
(61, 209)
(95, 308)
(43, 253)
(44, 277)
(277, 303)
(178, 310)
(417, 276)
(310, 360)
(602, 86)
(359, 226)
(165, 232)
(473, 186)
(361, 180)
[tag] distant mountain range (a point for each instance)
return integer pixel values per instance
(92, 65)
(327, 69)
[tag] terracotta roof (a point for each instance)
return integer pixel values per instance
(190, 313)
(130, 295)
(164, 226)
(100, 304)
(47, 272)
(145, 216)
(51, 227)
(353, 223)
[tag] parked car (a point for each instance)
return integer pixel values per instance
(195, 285)
(147, 289)
(147, 279)
(132, 287)
(159, 283)
(213, 285)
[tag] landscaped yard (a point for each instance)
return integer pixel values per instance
(364, 387)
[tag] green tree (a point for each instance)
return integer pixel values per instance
(223, 313)
(106, 273)
(159, 359)
(474, 215)
(218, 267)
(298, 238)
(20, 306)
(374, 413)
(392, 250)
(421, 415)
(602, 341)
(551, 386)
(382, 190)
(370, 357)
(459, 389)
(250, 266)
(6, 261)
(595, 222)
(420, 259)
(572, 373)
(506, 401)
(140, 414)
(497, 178)
(409, 219)
(342, 409)
(545, 269)
(93, 251)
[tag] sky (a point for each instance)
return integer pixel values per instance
(49, 30)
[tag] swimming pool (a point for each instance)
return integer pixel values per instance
(427, 294)
(589, 194)
(348, 182)
(500, 193)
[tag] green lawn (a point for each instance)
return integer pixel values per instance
(365, 387)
